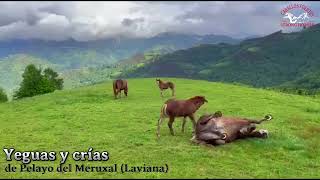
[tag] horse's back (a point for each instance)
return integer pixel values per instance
(120, 84)
(177, 107)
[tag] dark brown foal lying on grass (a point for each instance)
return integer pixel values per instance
(163, 85)
(180, 108)
(118, 86)
(216, 130)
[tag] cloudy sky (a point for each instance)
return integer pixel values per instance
(96, 20)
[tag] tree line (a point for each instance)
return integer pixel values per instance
(35, 82)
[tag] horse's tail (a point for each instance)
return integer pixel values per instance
(163, 112)
(266, 118)
(115, 88)
(125, 86)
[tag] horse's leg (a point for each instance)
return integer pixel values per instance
(250, 131)
(183, 124)
(117, 93)
(161, 92)
(126, 91)
(193, 122)
(244, 131)
(262, 133)
(170, 125)
(159, 124)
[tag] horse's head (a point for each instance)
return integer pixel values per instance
(158, 81)
(209, 125)
(198, 100)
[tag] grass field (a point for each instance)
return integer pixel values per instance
(74, 120)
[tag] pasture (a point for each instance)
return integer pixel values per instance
(74, 120)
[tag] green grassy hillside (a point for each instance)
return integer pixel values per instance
(74, 120)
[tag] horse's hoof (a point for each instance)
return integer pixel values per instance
(194, 140)
(264, 133)
(268, 117)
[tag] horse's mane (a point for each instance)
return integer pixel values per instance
(169, 100)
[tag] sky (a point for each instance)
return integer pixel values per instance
(84, 21)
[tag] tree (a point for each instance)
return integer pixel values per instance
(50, 81)
(35, 82)
(30, 85)
(3, 96)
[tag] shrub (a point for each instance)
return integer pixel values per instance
(3, 96)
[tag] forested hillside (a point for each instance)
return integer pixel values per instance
(290, 61)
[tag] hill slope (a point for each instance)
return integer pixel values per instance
(77, 60)
(268, 61)
(77, 119)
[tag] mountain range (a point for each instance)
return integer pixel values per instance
(81, 63)
(286, 61)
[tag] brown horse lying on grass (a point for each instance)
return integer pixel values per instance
(216, 130)
(163, 85)
(118, 86)
(180, 108)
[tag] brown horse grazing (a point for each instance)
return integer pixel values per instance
(163, 85)
(216, 130)
(118, 86)
(180, 108)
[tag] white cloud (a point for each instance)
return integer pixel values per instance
(95, 20)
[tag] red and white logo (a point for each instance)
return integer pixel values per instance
(297, 15)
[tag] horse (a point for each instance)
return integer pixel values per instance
(217, 130)
(180, 108)
(118, 86)
(163, 85)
